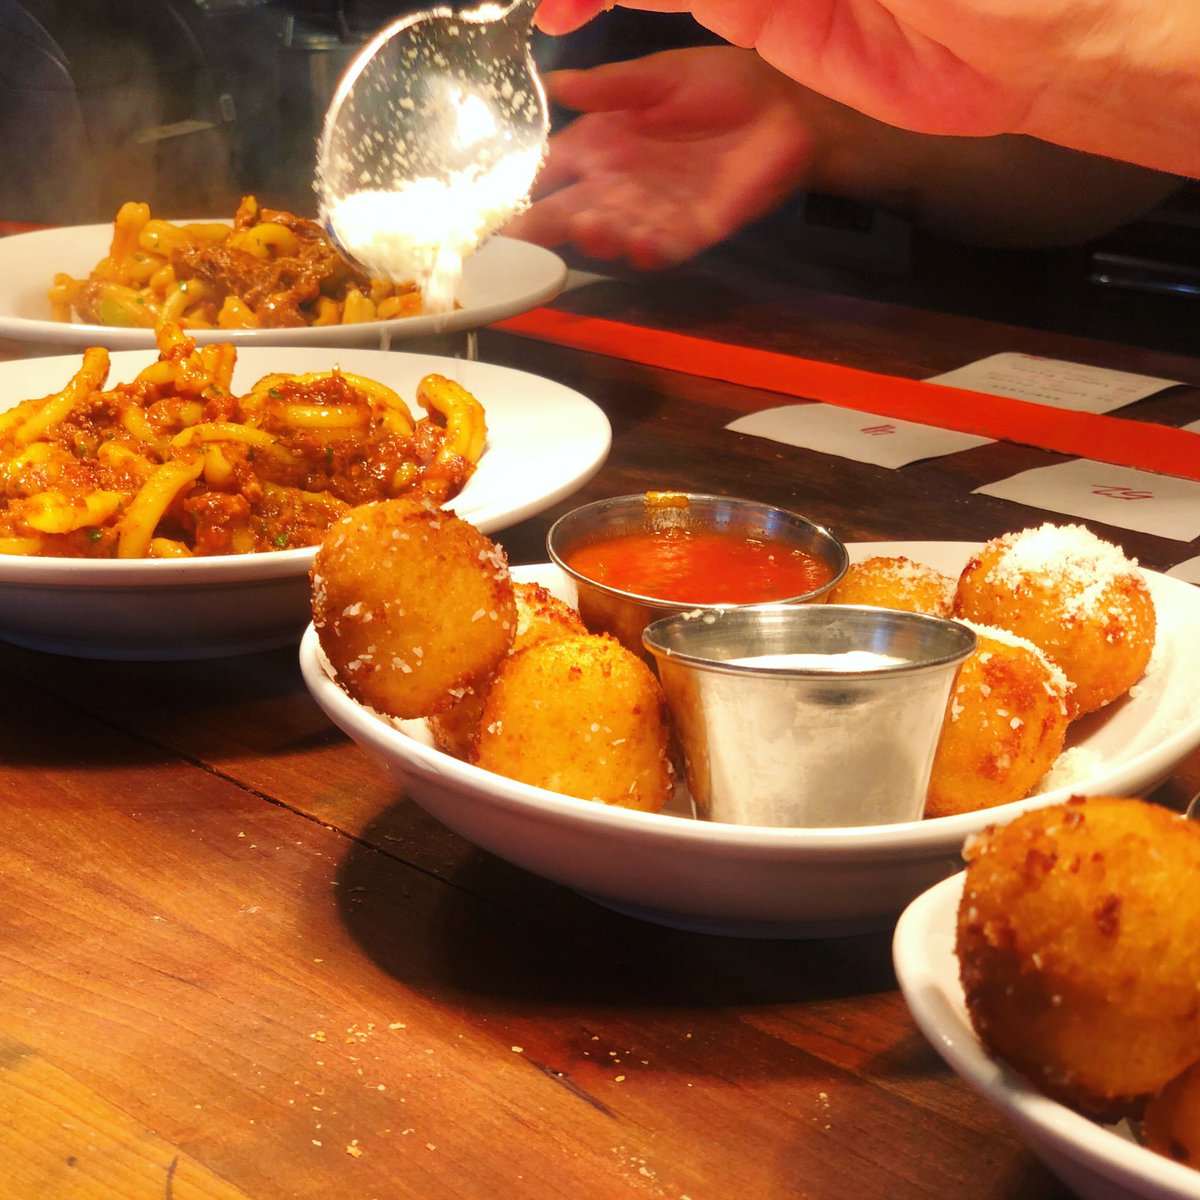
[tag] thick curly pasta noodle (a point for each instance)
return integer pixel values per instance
(269, 269)
(173, 463)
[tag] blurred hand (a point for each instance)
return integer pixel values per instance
(677, 151)
(673, 153)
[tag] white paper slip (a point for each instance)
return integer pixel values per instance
(1122, 496)
(1192, 427)
(1053, 382)
(847, 433)
(1188, 570)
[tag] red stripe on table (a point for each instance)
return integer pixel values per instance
(1140, 444)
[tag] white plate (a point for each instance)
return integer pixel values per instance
(544, 441)
(1098, 1162)
(766, 882)
(503, 278)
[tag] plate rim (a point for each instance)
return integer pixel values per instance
(241, 569)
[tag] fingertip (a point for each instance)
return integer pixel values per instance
(605, 236)
(555, 82)
(597, 249)
(651, 254)
(654, 246)
(558, 17)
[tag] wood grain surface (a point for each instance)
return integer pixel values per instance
(239, 964)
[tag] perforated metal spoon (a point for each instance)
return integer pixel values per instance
(439, 108)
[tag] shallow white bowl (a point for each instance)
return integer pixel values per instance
(544, 441)
(504, 277)
(1098, 1162)
(755, 881)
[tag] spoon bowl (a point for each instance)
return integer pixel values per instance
(432, 141)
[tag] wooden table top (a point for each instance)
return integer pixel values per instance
(239, 963)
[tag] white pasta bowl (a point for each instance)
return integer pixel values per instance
(544, 441)
(1098, 1162)
(504, 277)
(760, 881)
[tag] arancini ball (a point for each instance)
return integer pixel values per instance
(896, 582)
(1171, 1124)
(1079, 948)
(412, 605)
(582, 716)
(540, 616)
(1074, 595)
(1003, 729)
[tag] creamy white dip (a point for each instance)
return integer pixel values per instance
(848, 660)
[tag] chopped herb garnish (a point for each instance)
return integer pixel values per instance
(94, 535)
(280, 539)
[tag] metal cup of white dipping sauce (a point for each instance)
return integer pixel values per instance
(808, 716)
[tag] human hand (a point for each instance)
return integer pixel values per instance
(677, 151)
(673, 153)
(1115, 77)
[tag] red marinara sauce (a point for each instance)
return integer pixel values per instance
(700, 567)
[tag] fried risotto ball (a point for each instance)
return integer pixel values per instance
(1079, 949)
(582, 716)
(1004, 726)
(541, 616)
(896, 582)
(412, 605)
(1171, 1125)
(1073, 594)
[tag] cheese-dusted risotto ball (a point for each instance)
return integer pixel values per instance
(1003, 729)
(583, 716)
(896, 582)
(540, 616)
(1172, 1121)
(1079, 949)
(1073, 594)
(412, 605)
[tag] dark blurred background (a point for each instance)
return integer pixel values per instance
(189, 104)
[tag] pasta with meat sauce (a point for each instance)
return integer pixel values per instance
(270, 269)
(174, 464)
